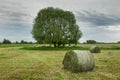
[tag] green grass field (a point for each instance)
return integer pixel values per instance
(19, 64)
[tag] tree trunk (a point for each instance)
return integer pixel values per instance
(69, 44)
(75, 44)
(63, 44)
(59, 44)
(54, 44)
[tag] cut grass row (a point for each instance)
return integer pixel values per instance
(72, 47)
(68, 48)
(16, 64)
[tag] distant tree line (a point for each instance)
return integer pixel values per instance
(95, 42)
(91, 42)
(118, 42)
(6, 41)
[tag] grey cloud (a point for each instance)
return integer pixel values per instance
(97, 19)
(16, 32)
(15, 20)
(13, 13)
(16, 17)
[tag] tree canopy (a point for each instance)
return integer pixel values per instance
(91, 42)
(56, 26)
(6, 41)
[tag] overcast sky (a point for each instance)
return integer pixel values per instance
(98, 19)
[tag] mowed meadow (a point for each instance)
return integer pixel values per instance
(17, 63)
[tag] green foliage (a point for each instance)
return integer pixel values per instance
(5, 41)
(16, 42)
(118, 42)
(56, 26)
(25, 42)
(91, 42)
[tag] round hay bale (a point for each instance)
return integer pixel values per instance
(78, 61)
(95, 49)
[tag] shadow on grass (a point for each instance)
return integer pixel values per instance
(54, 48)
(111, 48)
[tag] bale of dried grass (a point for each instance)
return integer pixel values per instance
(78, 61)
(95, 49)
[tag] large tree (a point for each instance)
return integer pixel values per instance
(56, 26)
